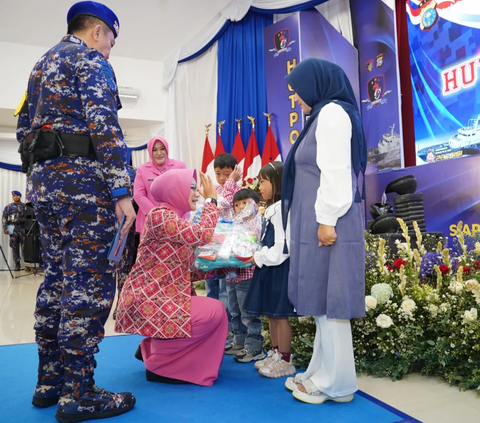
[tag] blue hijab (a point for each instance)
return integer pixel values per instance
(318, 83)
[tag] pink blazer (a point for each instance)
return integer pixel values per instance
(146, 173)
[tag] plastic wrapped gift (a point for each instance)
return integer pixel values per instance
(233, 242)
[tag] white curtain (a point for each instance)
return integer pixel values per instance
(337, 13)
(11, 181)
(234, 11)
(192, 100)
(9, 151)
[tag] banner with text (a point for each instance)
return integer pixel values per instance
(301, 35)
(444, 38)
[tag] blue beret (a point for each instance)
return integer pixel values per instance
(97, 10)
(17, 193)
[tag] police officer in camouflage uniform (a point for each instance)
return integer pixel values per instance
(14, 215)
(78, 195)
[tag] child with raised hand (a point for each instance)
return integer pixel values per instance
(268, 293)
(227, 174)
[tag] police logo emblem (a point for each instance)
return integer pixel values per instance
(380, 60)
(375, 88)
(369, 65)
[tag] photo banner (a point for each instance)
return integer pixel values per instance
(301, 35)
(444, 39)
(374, 29)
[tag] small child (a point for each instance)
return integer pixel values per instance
(247, 342)
(268, 294)
(227, 174)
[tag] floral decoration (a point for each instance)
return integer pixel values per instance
(422, 310)
(252, 183)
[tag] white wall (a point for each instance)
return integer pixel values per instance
(145, 75)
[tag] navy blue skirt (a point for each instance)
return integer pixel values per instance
(268, 293)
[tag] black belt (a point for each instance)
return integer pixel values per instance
(73, 145)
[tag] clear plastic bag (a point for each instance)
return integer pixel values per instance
(233, 242)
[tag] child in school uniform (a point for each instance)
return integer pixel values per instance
(268, 293)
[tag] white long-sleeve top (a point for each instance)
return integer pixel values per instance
(333, 135)
(274, 256)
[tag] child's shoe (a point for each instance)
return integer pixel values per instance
(233, 348)
(271, 355)
(246, 356)
(278, 368)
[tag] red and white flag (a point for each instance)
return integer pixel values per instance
(253, 161)
(219, 149)
(238, 150)
(271, 153)
(207, 160)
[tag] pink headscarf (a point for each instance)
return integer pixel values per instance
(168, 160)
(172, 189)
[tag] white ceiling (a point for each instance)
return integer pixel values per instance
(149, 29)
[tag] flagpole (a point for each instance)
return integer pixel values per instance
(220, 126)
(239, 123)
(207, 128)
(268, 117)
(252, 121)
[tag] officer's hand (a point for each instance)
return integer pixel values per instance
(124, 206)
(5, 231)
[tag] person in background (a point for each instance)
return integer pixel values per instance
(185, 333)
(247, 342)
(80, 188)
(268, 293)
(322, 191)
(14, 216)
(146, 173)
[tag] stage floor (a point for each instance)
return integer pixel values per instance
(427, 399)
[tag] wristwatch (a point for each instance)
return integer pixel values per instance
(211, 200)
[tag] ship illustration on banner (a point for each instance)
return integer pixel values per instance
(427, 12)
(282, 42)
(465, 142)
(387, 154)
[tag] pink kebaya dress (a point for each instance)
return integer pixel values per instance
(185, 335)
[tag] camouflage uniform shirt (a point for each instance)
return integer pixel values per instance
(73, 89)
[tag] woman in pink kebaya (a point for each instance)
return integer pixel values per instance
(185, 334)
(160, 162)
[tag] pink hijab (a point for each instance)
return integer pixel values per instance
(172, 189)
(168, 161)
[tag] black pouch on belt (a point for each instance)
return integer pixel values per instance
(43, 144)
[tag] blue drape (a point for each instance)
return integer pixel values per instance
(16, 168)
(241, 79)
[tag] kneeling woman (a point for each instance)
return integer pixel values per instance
(185, 333)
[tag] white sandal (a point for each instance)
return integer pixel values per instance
(292, 382)
(313, 395)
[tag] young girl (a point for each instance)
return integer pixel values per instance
(268, 293)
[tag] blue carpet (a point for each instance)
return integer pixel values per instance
(240, 395)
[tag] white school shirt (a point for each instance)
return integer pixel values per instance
(333, 135)
(274, 256)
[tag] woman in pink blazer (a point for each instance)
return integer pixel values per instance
(160, 162)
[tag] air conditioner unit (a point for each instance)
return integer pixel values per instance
(128, 92)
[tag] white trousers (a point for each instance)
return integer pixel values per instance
(332, 367)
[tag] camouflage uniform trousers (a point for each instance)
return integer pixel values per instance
(75, 298)
(17, 240)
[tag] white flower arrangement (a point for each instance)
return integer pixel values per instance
(422, 309)
(384, 321)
